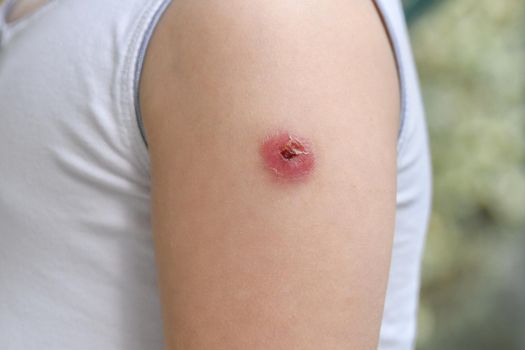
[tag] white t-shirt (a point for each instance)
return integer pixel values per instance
(77, 268)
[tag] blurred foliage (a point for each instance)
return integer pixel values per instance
(415, 8)
(471, 61)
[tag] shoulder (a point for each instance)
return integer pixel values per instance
(201, 45)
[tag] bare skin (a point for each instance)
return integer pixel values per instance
(246, 262)
(22, 8)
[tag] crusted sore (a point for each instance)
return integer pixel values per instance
(288, 157)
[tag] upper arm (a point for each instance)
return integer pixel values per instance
(247, 262)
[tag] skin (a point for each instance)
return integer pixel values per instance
(23, 8)
(244, 261)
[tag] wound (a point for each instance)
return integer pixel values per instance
(288, 157)
(293, 148)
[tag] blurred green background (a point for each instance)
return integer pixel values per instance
(471, 60)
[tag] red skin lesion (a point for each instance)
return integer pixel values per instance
(289, 157)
